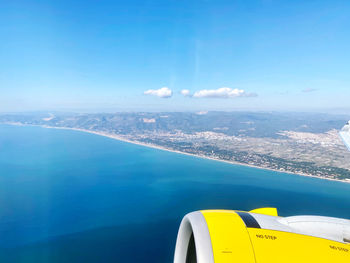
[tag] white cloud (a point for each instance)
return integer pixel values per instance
(186, 92)
(164, 92)
(222, 93)
(309, 90)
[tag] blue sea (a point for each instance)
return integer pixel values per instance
(70, 196)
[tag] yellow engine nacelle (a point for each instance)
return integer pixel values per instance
(261, 236)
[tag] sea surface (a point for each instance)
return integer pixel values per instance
(70, 196)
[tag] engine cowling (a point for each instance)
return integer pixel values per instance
(262, 236)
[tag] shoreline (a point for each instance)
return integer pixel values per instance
(120, 138)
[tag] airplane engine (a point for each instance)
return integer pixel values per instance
(262, 236)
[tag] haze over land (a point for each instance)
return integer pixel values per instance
(303, 143)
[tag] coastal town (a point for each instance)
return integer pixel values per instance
(294, 145)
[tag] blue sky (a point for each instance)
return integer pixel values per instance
(104, 55)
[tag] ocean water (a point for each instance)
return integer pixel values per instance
(69, 196)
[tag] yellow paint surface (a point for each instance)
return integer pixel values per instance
(233, 242)
(270, 211)
(275, 246)
(229, 237)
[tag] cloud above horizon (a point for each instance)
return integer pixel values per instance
(309, 90)
(164, 92)
(185, 92)
(223, 92)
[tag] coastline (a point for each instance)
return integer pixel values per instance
(120, 138)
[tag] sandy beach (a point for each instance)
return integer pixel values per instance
(120, 138)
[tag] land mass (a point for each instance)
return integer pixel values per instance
(301, 143)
